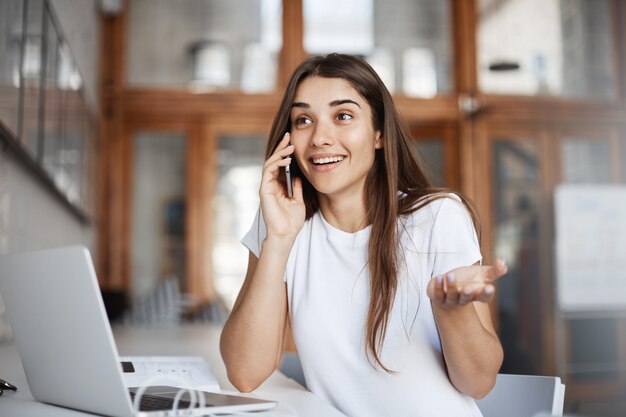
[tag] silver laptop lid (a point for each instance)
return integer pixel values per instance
(69, 359)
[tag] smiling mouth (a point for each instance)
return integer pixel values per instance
(329, 160)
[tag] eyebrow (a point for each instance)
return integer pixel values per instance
(344, 101)
(333, 103)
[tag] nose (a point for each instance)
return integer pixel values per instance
(322, 135)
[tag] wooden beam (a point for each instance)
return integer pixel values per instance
(292, 52)
(110, 184)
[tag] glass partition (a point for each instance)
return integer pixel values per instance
(546, 47)
(53, 99)
(409, 44)
(586, 160)
(523, 234)
(70, 153)
(158, 217)
(595, 237)
(348, 29)
(205, 45)
(91, 165)
(236, 200)
(11, 13)
(432, 156)
(31, 74)
(517, 208)
(42, 102)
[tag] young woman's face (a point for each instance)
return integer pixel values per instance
(333, 135)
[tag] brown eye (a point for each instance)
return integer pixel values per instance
(301, 121)
(344, 116)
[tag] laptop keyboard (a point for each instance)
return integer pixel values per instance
(155, 403)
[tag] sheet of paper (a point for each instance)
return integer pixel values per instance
(191, 372)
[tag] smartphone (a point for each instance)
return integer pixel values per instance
(288, 179)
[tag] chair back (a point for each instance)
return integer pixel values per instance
(292, 368)
(524, 396)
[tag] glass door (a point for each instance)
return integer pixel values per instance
(438, 150)
(514, 229)
(240, 160)
(524, 168)
(593, 340)
(549, 111)
(158, 262)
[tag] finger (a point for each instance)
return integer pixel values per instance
(451, 289)
(284, 141)
(439, 291)
(435, 290)
(272, 169)
(486, 294)
(272, 181)
(280, 154)
(466, 294)
(279, 151)
(497, 270)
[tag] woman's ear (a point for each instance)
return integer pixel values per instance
(378, 142)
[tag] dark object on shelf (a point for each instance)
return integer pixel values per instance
(503, 65)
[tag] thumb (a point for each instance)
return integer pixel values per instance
(497, 270)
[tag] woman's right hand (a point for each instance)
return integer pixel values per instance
(283, 216)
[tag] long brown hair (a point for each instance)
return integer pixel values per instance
(395, 169)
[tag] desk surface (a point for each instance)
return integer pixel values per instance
(202, 340)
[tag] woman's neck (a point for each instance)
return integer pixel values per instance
(347, 214)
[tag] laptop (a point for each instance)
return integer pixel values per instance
(66, 344)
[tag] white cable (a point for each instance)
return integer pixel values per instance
(195, 395)
(179, 395)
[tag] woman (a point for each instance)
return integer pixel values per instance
(378, 273)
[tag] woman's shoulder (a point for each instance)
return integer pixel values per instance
(431, 204)
(438, 214)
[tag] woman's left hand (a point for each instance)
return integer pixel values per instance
(466, 284)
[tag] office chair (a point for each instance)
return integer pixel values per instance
(291, 367)
(524, 396)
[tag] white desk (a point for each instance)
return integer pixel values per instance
(201, 340)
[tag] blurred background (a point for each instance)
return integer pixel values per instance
(138, 127)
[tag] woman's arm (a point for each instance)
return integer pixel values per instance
(252, 339)
(471, 348)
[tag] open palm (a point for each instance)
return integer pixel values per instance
(466, 284)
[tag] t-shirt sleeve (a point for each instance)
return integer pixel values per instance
(256, 235)
(454, 240)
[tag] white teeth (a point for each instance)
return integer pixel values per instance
(321, 161)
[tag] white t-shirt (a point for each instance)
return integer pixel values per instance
(328, 291)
